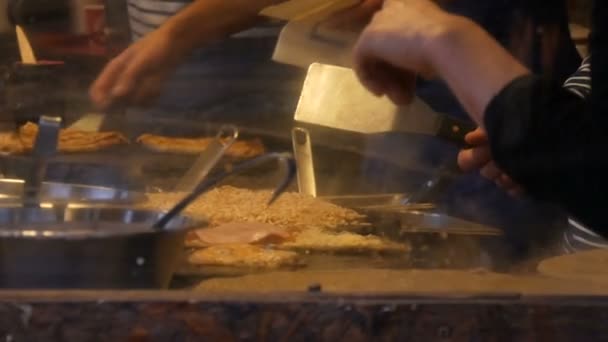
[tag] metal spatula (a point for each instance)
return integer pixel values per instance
(45, 146)
(333, 97)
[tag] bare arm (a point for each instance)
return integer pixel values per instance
(417, 37)
(477, 79)
(204, 21)
(138, 73)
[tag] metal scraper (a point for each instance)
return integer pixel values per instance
(92, 122)
(208, 159)
(89, 122)
(333, 97)
(304, 42)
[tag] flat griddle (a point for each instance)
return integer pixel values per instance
(436, 241)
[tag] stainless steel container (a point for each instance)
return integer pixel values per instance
(12, 190)
(88, 248)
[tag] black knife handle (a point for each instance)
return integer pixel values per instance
(455, 130)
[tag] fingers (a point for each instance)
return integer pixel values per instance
(477, 137)
(148, 89)
(381, 78)
(491, 171)
(101, 89)
(474, 158)
(507, 184)
(480, 157)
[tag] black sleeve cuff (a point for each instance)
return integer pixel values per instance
(547, 140)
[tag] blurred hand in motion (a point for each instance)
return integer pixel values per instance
(394, 47)
(137, 74)
(479, 157)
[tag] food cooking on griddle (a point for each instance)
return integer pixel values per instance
(238, 232)
(317, 240)
(292, 211)
(244, 255)
(244, 231)
(179, 145)
(70, 140)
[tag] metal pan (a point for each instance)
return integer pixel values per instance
(88, 248)
(12, 190)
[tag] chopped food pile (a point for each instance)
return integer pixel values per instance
(292, 211)
(244, 232)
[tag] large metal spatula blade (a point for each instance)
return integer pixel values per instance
(333, 97)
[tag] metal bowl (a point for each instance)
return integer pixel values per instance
(88, 248)
(11, 190)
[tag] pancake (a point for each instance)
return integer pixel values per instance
(160, 143)
(588, 266)
(317, 240)
(72, 140)
(237, 232)
(243, 255)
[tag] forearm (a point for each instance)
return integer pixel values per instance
(483, 66)
(205, 21)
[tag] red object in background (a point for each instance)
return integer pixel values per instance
(95, 23)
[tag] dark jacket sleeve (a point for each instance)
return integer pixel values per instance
(554, 143)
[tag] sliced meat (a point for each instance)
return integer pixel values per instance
(238, 233)
(244, 255)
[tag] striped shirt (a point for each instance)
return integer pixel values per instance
(578, 237)
(580, 82)
(146, 16)
(213, 68)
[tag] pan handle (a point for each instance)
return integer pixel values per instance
(286, 161)
(455, 130)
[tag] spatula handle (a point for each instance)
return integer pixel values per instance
(455, 130)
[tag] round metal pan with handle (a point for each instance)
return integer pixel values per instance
(83, 246)
(88, 247)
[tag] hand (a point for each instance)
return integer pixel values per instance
(394, 47)
(479, 157)
(137, 74)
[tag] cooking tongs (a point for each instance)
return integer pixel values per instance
(208, 159)
(45, 146)
(288, 166)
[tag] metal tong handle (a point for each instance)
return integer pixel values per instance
(440, 180)
(444, 175)
(45, 146)
(302, 150)
(208, 159)
(286, 160)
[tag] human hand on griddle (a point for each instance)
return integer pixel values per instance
(479, 157)
(138, 72)
(394, 48)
